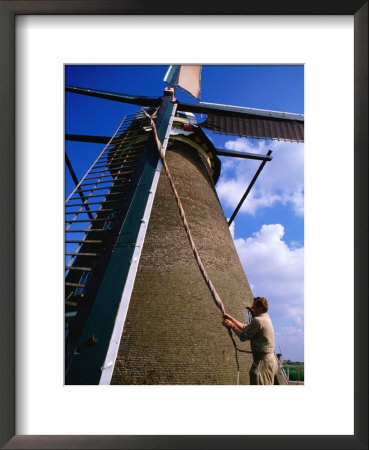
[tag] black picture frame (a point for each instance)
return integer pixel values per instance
(8, 11)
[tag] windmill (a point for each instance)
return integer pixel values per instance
(134, 294)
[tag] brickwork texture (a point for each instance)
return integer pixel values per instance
(173, 332)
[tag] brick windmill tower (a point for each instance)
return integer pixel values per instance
(138, 307)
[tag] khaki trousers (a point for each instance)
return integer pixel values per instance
(263, 369)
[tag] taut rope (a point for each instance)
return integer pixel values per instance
(213, 291)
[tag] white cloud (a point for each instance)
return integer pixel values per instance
(281, 180)
(276, 271)
(290, 331)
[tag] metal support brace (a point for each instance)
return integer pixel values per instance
(222, 152)
(249, 188)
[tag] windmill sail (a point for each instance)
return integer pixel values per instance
(256, 127)
(249, 122)
(186, 78)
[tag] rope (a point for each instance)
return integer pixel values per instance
(209, 283)
(213, 291)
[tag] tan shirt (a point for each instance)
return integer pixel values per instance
(261, 334)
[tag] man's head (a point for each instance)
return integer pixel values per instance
(260, 305)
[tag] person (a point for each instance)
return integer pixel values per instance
(261, 335)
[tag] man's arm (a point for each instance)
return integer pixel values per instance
(232, 323)
(235, 322)
(244, 332)
(228, 324)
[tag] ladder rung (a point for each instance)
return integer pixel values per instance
(88, 220)
(99, 177)
(125, 161)
(88, 231)
(102, 195)
(131, 129)
(108, 190)
(82, 254)
(90, 203)
(102, 182)
(112, 185)
(119, 154)
(121, 160)
(118, 150)
(104, 173)
(109, 175)
(126, 146)
(128, 128)
(90, 210)
(121, 148)
(109, 171)
(71, 304)
(75, 284)
(121, 157)
(84, 242)
(77, 297)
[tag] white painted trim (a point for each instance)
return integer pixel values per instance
(167, 74)
(254, 111)
(111, 355)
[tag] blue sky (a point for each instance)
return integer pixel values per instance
(269, 229)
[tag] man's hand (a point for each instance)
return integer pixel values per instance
(227, 323)
(231, 322)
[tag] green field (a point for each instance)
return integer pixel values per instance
(295, 371)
